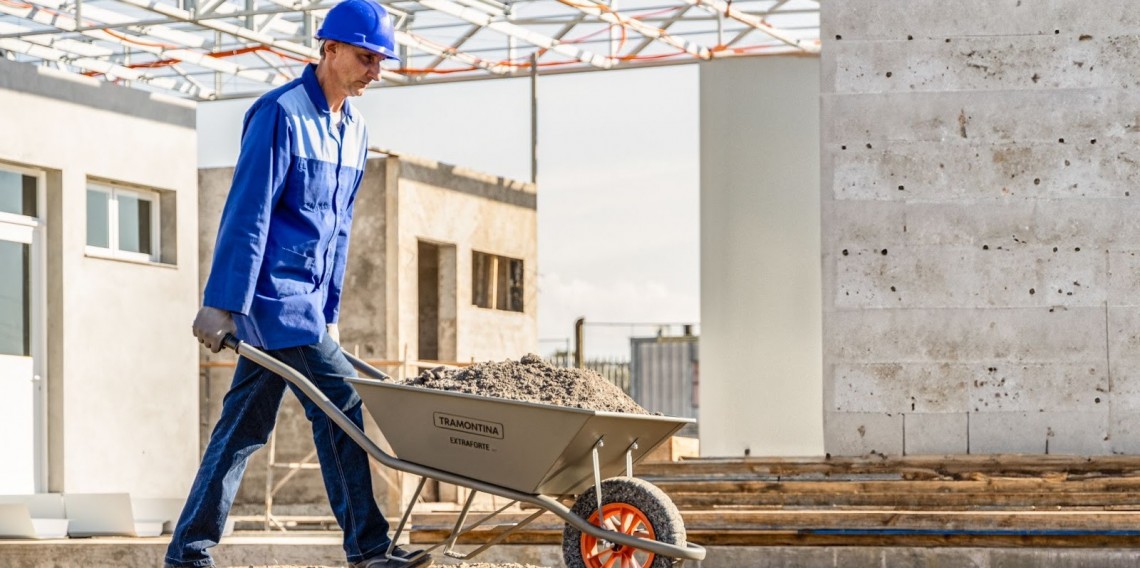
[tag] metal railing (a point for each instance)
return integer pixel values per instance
(614, 370)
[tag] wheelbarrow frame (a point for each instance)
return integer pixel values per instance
(687, 551)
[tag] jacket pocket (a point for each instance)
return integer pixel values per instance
(291, 273)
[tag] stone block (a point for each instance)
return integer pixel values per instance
(1077, 116)
(936, 433)
(876, 20)
(1061, 558)
(895, 388)
(969, 277)
(1076, 433)
(1080, 433)
(769, 557)
(973, 173)
(862, 433)
(1124, 431)
(1008, 432)
(1072, 335)
(935, 557)
(1098, 225)
(1051, 387)
(978, 387)
(865, 223)
(1040, 62)
(1124, 360)
(1123, 266)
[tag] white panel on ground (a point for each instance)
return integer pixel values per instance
(106, 514)
(32, 516)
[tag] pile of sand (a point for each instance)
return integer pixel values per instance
(531, 379)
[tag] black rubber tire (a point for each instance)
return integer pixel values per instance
(657, 507)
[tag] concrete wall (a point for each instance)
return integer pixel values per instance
(760, 275)
(979, 243)
(122, 365)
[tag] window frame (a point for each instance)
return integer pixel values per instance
(498, 292)
(18, 218)
(113, 250)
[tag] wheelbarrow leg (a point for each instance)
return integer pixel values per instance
(407, 513)
(462, 519)
(598, 478)
(629, 458)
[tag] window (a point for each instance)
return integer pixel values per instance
(15, 305)
(18, 193)
(496, 282)
(122, 222)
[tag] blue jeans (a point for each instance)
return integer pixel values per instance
(249, 412)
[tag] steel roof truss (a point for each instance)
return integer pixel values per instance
(483, 19)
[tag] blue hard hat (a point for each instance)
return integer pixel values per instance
(363, 23)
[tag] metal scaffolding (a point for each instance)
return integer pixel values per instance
(211, 49)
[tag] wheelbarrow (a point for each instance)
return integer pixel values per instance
(537, 454)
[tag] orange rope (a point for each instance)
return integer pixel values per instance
(130, 39)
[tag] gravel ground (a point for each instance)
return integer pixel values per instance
(531, 379)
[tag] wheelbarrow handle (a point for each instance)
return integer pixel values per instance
(231, 342)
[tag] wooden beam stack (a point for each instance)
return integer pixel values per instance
(995, 500)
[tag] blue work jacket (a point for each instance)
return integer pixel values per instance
(280, 253)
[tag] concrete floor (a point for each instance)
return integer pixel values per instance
(323, 549)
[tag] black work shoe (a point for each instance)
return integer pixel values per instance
(400, 559)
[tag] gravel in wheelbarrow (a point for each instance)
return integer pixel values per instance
(531, 379)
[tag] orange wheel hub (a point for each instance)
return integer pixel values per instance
(626, 519)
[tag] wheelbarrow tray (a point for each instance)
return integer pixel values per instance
(529, 447)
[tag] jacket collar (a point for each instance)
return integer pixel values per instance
(317, 95)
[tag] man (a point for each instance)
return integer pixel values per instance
(276, 284)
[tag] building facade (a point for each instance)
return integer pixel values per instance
(98, 286)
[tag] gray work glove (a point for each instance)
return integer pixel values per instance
(211, 326)
(334, 332)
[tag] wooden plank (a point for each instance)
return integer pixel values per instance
(834, 519)
(1123, 485)
(797, 538)
(907, 500)
(905, 467)
(912, 520)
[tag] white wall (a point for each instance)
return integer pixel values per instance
(760, 376)
(122, 364)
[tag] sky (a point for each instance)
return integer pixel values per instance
(618, 184)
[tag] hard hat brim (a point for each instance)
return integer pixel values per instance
(387, 53)
(374, 48)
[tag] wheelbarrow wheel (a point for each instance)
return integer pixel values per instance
(630, 506)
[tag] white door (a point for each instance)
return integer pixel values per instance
(18, 382)
(22, 395)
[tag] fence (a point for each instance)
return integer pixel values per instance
(665, 376)
(614, 370)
